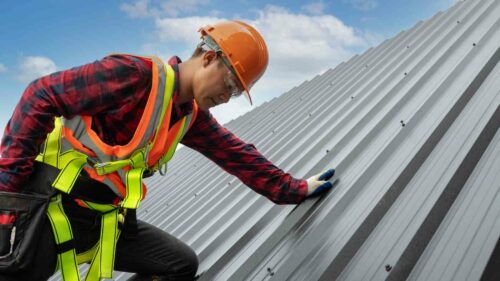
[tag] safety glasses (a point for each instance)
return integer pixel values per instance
(230, 80)
(231, 85)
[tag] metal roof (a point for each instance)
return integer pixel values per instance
(411, 127)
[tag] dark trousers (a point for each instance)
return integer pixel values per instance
(153, 254)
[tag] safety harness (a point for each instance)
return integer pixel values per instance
(73, 146)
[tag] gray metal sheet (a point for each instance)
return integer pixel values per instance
(411, 127)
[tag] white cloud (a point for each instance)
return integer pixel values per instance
(174, 8)
(171, 8)
(3, 68)
(363, 5)
(182, 30)
(300, 46)
(304, 44)
(316, 8)
(140, 9)
(294, 40)
(33, 67)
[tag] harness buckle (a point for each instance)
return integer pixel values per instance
(101, 165)
(163, 169)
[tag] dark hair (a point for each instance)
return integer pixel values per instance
(197, 52)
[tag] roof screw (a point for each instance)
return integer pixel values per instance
(328, 150)
(388, 267)
(408, 46)
(270, 271)
(474, 44)
(458, 21)
(310, 114)
(406, 73)
(196, 194)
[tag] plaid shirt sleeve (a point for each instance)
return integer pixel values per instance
(243, 160)
(103, 85)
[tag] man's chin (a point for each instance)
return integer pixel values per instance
(205, 105)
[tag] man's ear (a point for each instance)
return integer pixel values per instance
(208, 57)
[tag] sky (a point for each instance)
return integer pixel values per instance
(304, 38)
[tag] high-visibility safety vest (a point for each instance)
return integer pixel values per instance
(73, 146)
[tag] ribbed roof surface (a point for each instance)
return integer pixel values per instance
(411, 127)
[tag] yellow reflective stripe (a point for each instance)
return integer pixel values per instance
(138, 158)
(87, 255)
(134, 188)
(59, 220)
(94, 273)
(167, 96)
(62, 232)
(69, 155)
(109, 226)
(103, 261)
(68, 175)
(103, 208)
(171, 150)
(53, 144)
(169, 89)
(69, 266)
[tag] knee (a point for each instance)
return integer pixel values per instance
(191, 263)
(185, 268)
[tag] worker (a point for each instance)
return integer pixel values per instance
(84, 138)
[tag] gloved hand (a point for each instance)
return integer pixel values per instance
(319, 183)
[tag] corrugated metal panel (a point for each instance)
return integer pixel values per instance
(411, 127)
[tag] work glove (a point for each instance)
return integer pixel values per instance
(319, 183)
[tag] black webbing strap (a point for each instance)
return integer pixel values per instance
(85, 188)
(65, 246)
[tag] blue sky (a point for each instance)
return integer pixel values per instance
(304, 37)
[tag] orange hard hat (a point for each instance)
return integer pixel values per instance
(244, 47)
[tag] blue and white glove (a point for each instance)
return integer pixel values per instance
(319, 183)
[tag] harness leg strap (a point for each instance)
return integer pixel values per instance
(66, 256)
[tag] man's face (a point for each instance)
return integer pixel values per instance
(209, 87)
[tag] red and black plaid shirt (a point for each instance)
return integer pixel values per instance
(114, 91)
